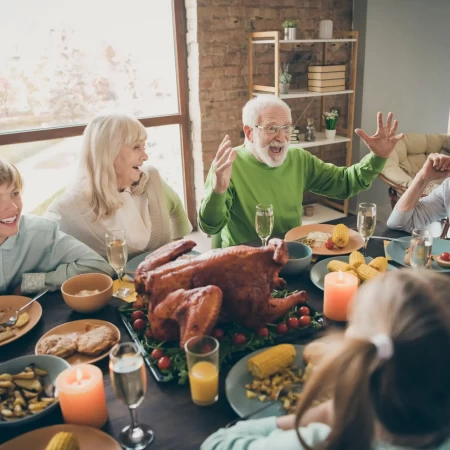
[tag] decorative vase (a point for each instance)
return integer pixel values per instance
(292, 33)
(310, 131)
(330, 134)
(326, 29)
(284, 88)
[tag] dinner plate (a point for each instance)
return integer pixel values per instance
(397, 249)
(16, 302)
(235, 390)
(79, 326)
(133, 263)
(319, 269)
(355, 242)
(88, 438)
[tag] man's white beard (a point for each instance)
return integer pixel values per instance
(264, 153)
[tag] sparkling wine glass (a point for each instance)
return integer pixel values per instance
(117, 252)
(264, 222)
(366, 222)
(420, 248)
(129, 381)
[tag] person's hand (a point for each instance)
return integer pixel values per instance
(436, 167)
(222, 166)
(286, 422)
(382, 143)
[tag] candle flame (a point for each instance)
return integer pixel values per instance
(340, 276)
(79, 375)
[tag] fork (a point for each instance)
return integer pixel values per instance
(283, 389)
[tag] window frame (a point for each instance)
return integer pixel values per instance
(181, 118)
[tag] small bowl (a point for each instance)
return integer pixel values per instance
(302, 254)
(90, 282)
(52, 364)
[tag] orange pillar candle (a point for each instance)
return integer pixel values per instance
(339, 289)
(81, 395)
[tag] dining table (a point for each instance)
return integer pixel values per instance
(167, 408)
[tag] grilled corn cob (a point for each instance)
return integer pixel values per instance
(63, 441)
(379, 264)
(355, 274)
(340, 236)
(335, 266)
(271, 361)
(366, 272)
(356, 259)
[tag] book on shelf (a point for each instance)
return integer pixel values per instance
(327, 68)
(326, 75)
(324, 83)
(326, 88)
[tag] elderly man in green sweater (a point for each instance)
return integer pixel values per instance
(266, 170)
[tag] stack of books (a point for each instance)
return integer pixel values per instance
(294, 136)
(326, 78)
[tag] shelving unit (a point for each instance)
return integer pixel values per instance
(273, 37)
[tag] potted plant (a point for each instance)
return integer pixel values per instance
(285, 79)
(290, 30)
(331, 119)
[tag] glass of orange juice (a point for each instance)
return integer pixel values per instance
(202, 354)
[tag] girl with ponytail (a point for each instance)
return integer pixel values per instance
(387, 377)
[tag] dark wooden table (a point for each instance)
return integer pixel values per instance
(167, 408)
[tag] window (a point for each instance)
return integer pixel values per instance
(83, 58)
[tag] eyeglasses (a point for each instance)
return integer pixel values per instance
(273, 130)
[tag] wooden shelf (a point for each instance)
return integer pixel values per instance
(299, 93)
(302, 41)
(321, 140)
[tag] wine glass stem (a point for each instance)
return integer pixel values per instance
(119, 276)
(366, 241)
(133, 414)
(264, 242)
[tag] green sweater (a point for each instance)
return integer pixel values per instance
(232, 214)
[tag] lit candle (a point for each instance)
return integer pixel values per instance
(81, 395)
(339, 289)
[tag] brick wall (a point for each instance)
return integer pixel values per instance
(217, 66)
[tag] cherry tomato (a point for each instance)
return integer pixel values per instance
(292, 322)
(263, 332)
(149, 334)
(303, 311)
(157, 353)
(139, 325)
(329, 244)
(445, 256)
(218, 333)
(282, 328)
(137, 315)
(164, 363)
(239, 339)
(304, 321)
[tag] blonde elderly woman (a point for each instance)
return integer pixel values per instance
(114, 190)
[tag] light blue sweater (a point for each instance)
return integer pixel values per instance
(41, 256)
(263, 434)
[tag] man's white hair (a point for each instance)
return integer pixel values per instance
(253, 108)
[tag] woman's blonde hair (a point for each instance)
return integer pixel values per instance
(9, 175)
(103, 140)
(408, 395)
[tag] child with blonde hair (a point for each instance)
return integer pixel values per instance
(388, 378)
(34, 253)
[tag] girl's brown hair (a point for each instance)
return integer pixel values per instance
(9, 175)
(408, 396)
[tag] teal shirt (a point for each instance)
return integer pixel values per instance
(263, 434)
(41, 256)
(232, 214)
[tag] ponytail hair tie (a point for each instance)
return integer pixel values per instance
(384, 346)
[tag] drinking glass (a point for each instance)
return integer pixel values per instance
(116, 249)
(202, 354)
(367, 221)
(420, 248)
(129, 381)
(264, 222)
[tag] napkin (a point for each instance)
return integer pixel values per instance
(126, 283)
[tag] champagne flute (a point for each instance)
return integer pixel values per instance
(366, 222)
(116, 249)
(129, 381)
(420, 248)
(264, 222)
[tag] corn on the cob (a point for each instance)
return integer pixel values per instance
(355, 274)
(379, 264)
(335, 266)
(340, 236)
(356, 259)
(63, 441)
(271, 361)
(366, 272)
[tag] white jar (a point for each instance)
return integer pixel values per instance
(326, 29)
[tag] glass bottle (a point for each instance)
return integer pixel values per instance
(310, 132)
